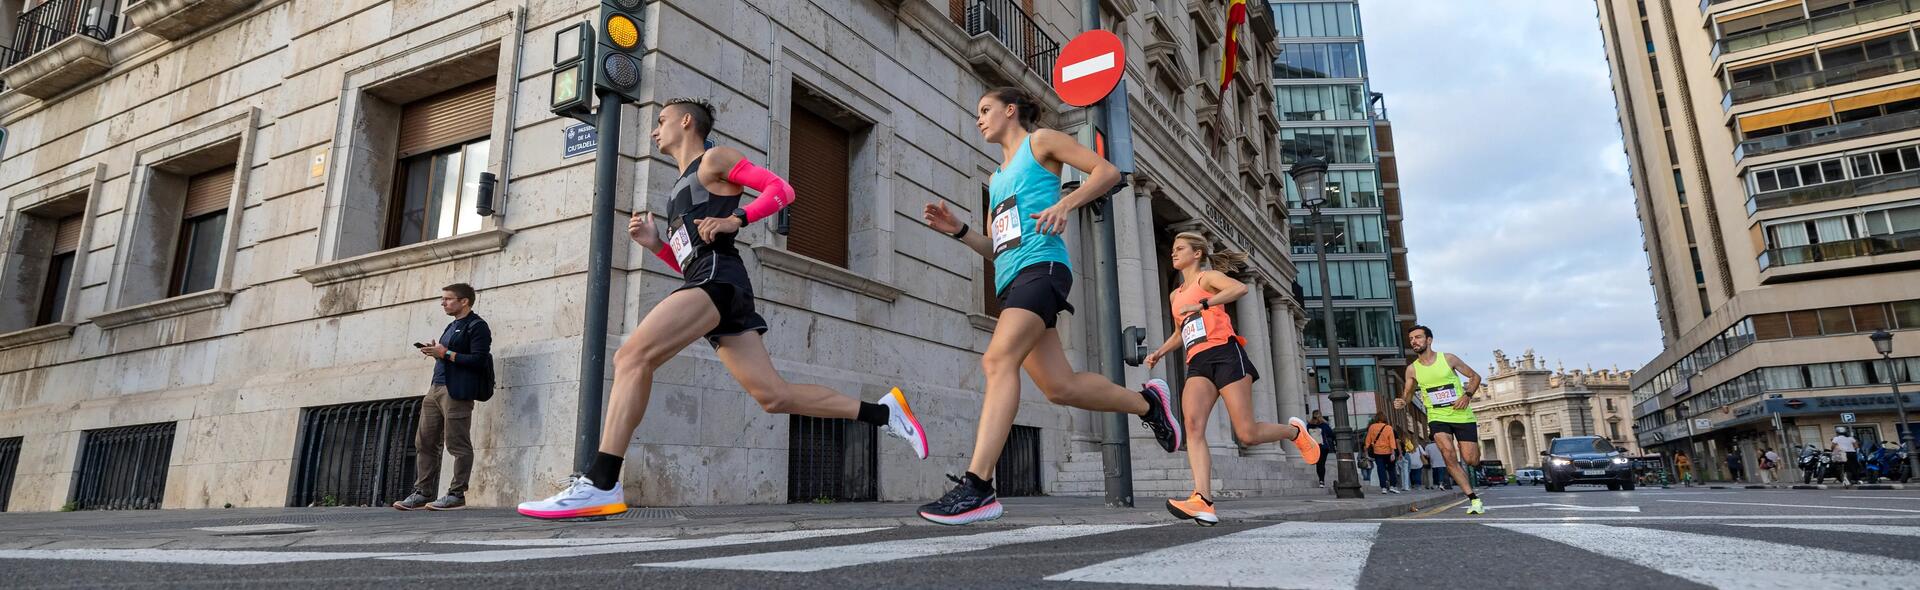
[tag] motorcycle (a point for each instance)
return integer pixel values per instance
(1817, 465)
(1886, 462)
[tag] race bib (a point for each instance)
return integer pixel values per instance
(1193, 331)
(1005, 227)
(681, 244)
(1443, 395)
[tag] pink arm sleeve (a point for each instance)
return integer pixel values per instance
(666, 255)
(775, 193)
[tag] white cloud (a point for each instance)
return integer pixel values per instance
(1520, 218)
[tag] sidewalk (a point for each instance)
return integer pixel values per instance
(258, 528)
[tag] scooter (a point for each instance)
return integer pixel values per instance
(1886, 462)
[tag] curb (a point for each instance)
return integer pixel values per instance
(1805, 486)
(1879, 486)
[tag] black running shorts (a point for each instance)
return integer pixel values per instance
(1223, 364)
(1462, 432)
(1042, 289)
(724, 279)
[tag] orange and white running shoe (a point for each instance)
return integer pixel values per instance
(901, 424)
(1309, 450)
(1196, 508)
(580, 500)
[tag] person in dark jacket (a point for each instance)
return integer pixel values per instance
(462, 374)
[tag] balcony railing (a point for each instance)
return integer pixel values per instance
(1706, 4)
(1820, 24)
(1908, 241)
(55, 21)
(1016, 30)
(1874, 68)
(1827, 134)
(1854, 187)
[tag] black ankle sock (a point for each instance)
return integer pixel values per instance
(605, 472)
(874, 414)
(984, 486)
(1473, 496)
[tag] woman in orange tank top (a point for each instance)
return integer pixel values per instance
(1217, 367)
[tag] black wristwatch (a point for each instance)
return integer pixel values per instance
(959, 235)
(1204, 303)
(741, 212)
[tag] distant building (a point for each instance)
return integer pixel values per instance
(1524, 406)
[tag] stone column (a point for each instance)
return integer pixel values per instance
(1154, 306)
(1253, 326)
(1289, 375)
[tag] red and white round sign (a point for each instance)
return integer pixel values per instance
(1088, 67)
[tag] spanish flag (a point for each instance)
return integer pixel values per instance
(1236, 16)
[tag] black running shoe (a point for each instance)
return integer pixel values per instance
(963, 505)
(1166, 427)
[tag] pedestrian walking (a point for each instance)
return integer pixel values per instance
(1436, 467)
(1416, 462)
(1324, 432)
(1381, 447)
(462, 374)
(1683, 467)
(1846, 452)
(1736, 466)
(1769, 461)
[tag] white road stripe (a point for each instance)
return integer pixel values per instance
(1088, 67)
(1298, 555)
(1869, 529)
(1880, 497)
(1794, 505)
(185, 556)
(255, 528)
(641, 547)
(1644, 518)
(556, 542)
(826, 558)
(1728, 562)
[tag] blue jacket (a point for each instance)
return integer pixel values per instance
(470, 373)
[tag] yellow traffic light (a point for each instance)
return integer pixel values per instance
(622, 31)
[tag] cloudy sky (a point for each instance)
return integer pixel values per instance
(1520, 219)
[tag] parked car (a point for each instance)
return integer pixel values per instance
(1587, 460)
(1529, 476)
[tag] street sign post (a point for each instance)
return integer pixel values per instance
(1088, 67)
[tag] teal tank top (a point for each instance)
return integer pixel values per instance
(1020, 189)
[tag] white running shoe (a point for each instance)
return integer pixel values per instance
(901, 424)
(580, 499)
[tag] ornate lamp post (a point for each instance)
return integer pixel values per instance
(1310, 180)
(1883, 344)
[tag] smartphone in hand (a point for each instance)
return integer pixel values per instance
(419, 345)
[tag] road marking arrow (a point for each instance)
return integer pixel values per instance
(1573, 508)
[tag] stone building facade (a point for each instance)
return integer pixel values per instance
(220, 325)
(1527, 405)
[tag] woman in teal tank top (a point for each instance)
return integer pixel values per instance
(1021, 234)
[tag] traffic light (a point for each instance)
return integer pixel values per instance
(573, 66)
(621, 25)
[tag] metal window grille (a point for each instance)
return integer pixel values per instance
(1018, 473)
(358, 454)
(9, 460)
(832, 459)
(124, 468)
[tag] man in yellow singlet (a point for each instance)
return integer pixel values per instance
(1433, 379)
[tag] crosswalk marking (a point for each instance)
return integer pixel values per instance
(825, 558)
(1727, 562)
(556, 552)
(557, 542)
(185, 556)
(1796, 506)
(1307, 556)
(1870, 529)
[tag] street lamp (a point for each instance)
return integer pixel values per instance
(1883, 344)
(1310, 181)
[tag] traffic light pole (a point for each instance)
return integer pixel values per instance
(1115, 457)
(593, 350)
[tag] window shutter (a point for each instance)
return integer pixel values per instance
(452, 117)
(66, 236)
(818, 163)
(209, 192)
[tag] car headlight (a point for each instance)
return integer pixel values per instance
(1561, 462)
(1620, 461)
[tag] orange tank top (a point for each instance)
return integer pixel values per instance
(1205, 329)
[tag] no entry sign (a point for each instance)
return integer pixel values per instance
(1088, 67)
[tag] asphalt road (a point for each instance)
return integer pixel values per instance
(1585, 538)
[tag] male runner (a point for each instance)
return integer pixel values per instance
(1435, 377)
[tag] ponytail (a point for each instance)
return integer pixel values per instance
(1025, 108)
(1226, 261)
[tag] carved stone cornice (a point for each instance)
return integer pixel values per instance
(176, 19)
(73, 61)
